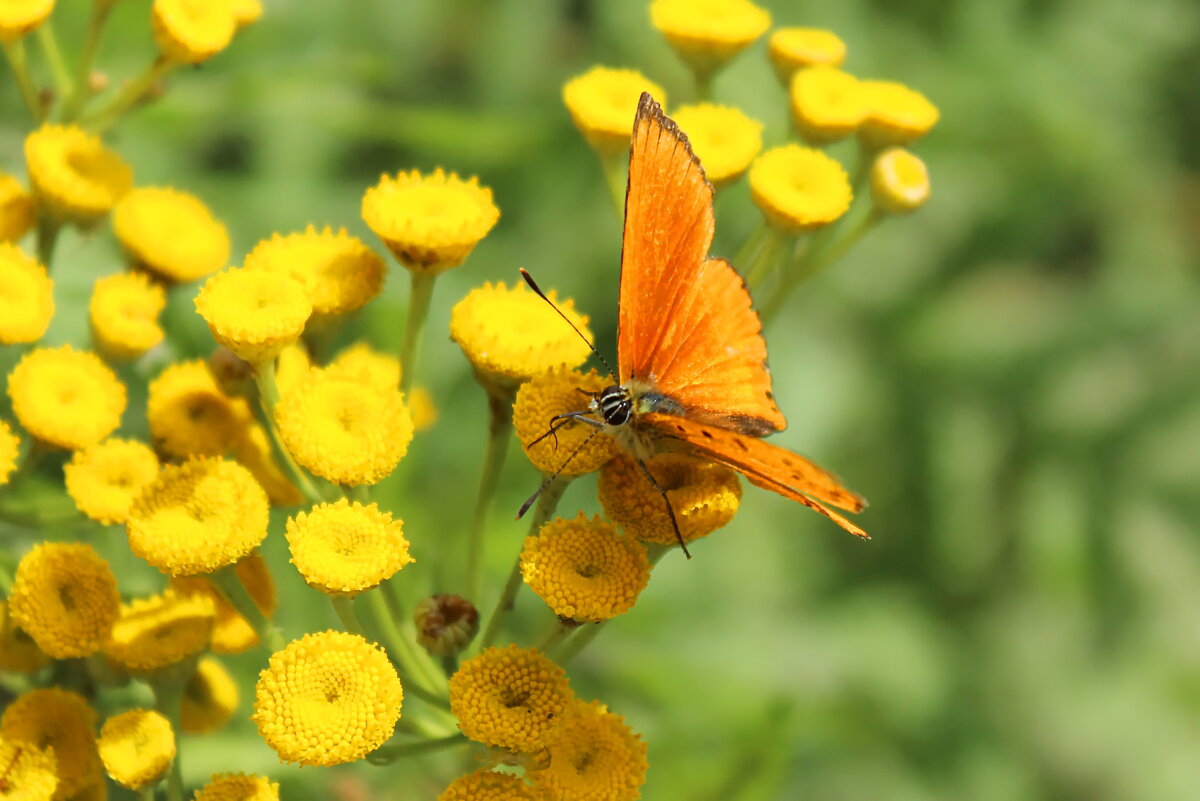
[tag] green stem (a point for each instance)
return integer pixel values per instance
(15, 52)
(418, 310)
(403, 652)
(862, 165)
(130, 95)
(840, 248)
(168, 700)
(343, 605)
(147, 792)
(6, 581)
(91, 43)
(421, 660)
(615, 165)
(58, 67)
(765, 258)
(703, 84)
(268, 397)
(387, 754)
(230, 584)
(805, 266)
(555, 634)
(47, 238)
(499, 429)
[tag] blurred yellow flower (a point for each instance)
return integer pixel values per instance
(704, 495)
(723, 138)
(488, 785)
(198, 516)
(95, 788)
(170, 233)
(104, 479)
(18, 211)
(344, 431)
(18, 651)
(123, 314)
(558, 392)
(65, 397)
(595, 758)
(342, 548)
(791, 49)
(232, 633)
(73, 174)
(189, 414)
(827, 104)
(255, 453)
(161, 630)
(421, 406)
(10, 450)
(326, 699)
(247, 12)
(26, 297)
(583, 569)
(19, 17)
(510, 698)
(339, 272)
(137, 747)
(899, 181)
(30, 773)
(896, 114)
(210, 698)
(65, 596)
(707, 33)
(292, 366)
(238, 787)
(361, 362)
(798, 188)
(602, 102)
(430, 222)
(188, 32)
(60, 721)
(254, 313)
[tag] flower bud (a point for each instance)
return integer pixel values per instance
(446, 624)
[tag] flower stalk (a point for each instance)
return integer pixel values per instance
(500, 401)
(58, 66)
(134, 92)
(418, 309)
(230, 584)
(268, 397)
(75, 102)
(18, 60)
(387, 754)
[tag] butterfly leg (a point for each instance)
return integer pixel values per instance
(667, 501)
(546, 481)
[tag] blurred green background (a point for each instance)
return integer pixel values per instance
(1011, 376)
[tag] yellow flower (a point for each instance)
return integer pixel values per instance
(791, 49)
(798, 188)
(189, 32)
(19, 17)
(137, 747)
(424, 412)
(292, 367)
(238, 787)
(343, 549)
(210, 698)
(161, 630)
(361, 362)
(123, 314)
(232, 633)
(487, 785)
(170, 233)
(430, 222)
(65, 596)
(510, 698)
(446, 624)
(96, 788)
(899, 181)
(896, 114)
(18, 651)
(73, 173)
(344, 431)
(190, 415)
(247, 11)
(707, 33)
(602, 102)
(61, 721)
(255, 453)
(30, 773)
(66, 397)
(596, 758)
(704, 495)
(326, 699)
(254, 313)
(26, 297)
(827, 104)
(104, 479)
(723, 138)
(18, 212)
(557, 392)
(583, 569)
(198, 516)
(10, 449)
(338, 271)
(513, 335)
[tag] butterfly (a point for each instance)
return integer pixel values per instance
(692, 371)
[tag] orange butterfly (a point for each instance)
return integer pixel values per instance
(691, 357)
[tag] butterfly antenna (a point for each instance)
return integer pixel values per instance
(550, 478)
(670, 509)
(533, 285)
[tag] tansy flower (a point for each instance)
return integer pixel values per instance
(104, 479)
(188, 32)
(73, 173)
(704, 495)
(161, 630)
(238, 787)
(602, 102)
(123, 314)
(798, 188)
(446, 624)
(326, 699)
(707, 33)
(791, 49)
(254, 313)
(96, 788)
(899, 181)
(170, 233)
(18, 651)
(210, 698)
(557, 392)
(338, 271)
(232, 633)
(66, 397)
(896, 114)
(361, 362)
(344, 431)
(189, 414)
(26, 297)
(510, 698)
(343, 549)
(292, 366)
(827, 104)
(19, 17)
(137, 747)
(29, 774)
(18, 212)
(430, 222)
(65, 596)
(583, 569)
(197, 517)
(488, 785)
(723, 138)
(61, 721)
(254, 451)
(10, 449)
(513, 335)
(595, 758)
(247, 11)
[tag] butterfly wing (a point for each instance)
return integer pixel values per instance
(686, 329)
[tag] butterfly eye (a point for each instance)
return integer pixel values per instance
(616, 405)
